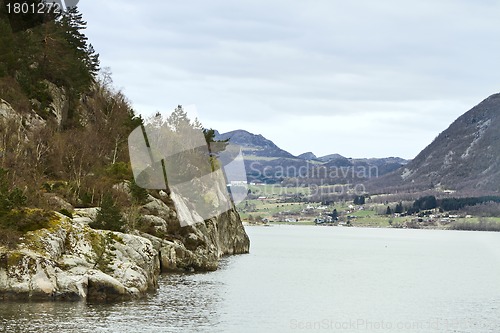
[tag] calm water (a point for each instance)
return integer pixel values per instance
(309, 279)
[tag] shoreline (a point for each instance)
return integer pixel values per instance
(302, 224)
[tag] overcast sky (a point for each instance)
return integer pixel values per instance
(360, 78)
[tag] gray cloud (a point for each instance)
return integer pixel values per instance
(384, 76)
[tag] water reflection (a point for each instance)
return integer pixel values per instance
(31, 317)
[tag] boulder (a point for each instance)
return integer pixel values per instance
(57, 203)
(90, 213)
(71, 261)
(102, 287)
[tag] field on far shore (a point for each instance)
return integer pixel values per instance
(273, 204)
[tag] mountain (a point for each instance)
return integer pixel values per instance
(384, 165)
(330, 157)
(268, 163)
(309, 156)
(466, 156)
(254, 144)
(336, 160)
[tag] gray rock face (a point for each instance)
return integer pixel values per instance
(7, 112)
(71, 261)
(60, 103)
(197, 247)
(28, 120)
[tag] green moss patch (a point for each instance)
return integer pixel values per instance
(18, 222)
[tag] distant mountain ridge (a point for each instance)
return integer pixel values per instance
(254, 144)
(265, 161)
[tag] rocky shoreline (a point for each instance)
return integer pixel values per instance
(70, 261)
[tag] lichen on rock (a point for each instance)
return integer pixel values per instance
(68, 260)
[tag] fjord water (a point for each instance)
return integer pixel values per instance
(308, 279)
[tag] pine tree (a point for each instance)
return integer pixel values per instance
(109, 216)
(179, 119)
(359, 200)
(74, 24)
(399, 208)
(139, 194)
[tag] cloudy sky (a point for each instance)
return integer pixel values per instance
(360, 78)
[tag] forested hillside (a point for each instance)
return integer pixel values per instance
(63, 128)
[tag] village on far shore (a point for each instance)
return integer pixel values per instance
(271, 204)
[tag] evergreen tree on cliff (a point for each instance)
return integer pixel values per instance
(109, 216)
(40, 50)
